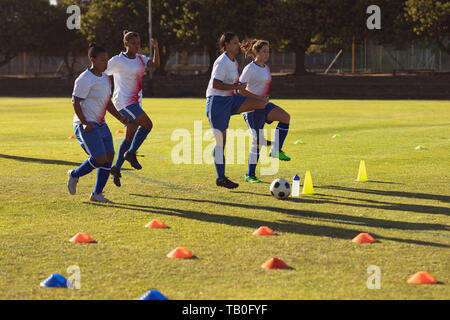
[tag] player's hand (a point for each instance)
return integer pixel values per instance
(124, 121)
(241, 86)
(88, 127)
(154, 43)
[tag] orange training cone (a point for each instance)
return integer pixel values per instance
(264, 231)
(363, 238)
(119, 131)
(81, 237)
(156, 224)
(274, 263)
(72, 137)
(421, 277)
(180, 252)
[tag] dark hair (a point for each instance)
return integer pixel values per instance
(251, 46)
(95, 50)
(225, 38)
(128, 35)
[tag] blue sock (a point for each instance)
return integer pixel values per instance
(253, 160)
(124, 146)
(219, 161)
(138, 139)
(280, 135)
(86, 167)
(102, 177)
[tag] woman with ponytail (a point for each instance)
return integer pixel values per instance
(91, 99)
(128, 69)
(222, 103)
(258, 78)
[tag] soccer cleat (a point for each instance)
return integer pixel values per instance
(252, 179)
(225, 182)
(131, 158)
(99, 198)
(280, 155)
(72, 183)
(115, 173)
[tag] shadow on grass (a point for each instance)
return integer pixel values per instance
(391, 193)
(283, 226)
(38, 160)
(381, 205)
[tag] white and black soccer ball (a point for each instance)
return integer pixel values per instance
(280, 188)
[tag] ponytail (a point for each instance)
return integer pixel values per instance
(251, 46)
(95, 50)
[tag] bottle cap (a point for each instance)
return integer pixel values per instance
(296, 177)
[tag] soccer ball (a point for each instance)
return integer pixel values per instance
(280, 188)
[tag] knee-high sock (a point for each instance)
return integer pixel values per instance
(102, 177)
(219, 161)
(124, 146)
(138, 139)
(280, 135)
(86, 167)
(253, 160)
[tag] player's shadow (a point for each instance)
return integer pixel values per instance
(38, 160)
(280, 226)
(391, 193)
(319, 198)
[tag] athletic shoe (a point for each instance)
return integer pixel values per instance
(72, 183)
(225, 182)
(115, 173)
(280, 155)
(252, 179)
(263, 143)
(99, 198)
(131, 158)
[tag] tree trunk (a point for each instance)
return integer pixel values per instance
(212, 53)
(300, 61)
(7, 58)
(164, 56)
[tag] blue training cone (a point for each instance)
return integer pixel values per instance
(153, 295)
(55, 281)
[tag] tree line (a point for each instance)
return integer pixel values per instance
(299, 26)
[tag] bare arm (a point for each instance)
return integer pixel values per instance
(112, 109)
(227, 87)
(77, 108)
(155, 62)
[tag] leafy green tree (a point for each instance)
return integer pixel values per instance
(208, 19)
(20, 26)
(105, 21)
(430, 19)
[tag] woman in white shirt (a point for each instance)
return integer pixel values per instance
(91, 99)
(258, 78)
(222, 103)
(128, 69)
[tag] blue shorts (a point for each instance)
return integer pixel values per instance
(249, 117)
(219, 110)
(132, 112)
(96, 142)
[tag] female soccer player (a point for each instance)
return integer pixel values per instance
(91, 98)
(222, 103)
(128, 69)
(258, 78)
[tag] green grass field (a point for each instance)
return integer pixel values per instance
(405, 206)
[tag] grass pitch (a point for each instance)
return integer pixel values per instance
(405, 206)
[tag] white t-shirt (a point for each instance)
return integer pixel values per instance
(95, 92)
(226, 71)
(258, 79)
(128, 74)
